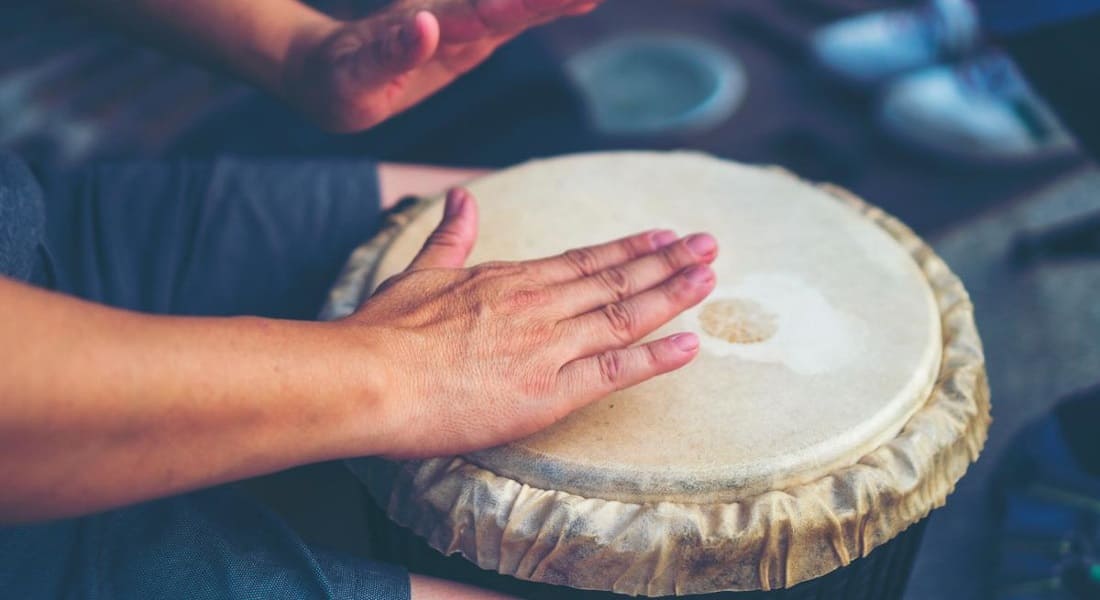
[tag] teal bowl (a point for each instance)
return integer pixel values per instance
(658, 84)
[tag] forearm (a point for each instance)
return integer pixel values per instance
(252, 39)
(100, 407)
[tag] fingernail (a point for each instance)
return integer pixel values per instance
(663, 238)
(699, 274)
(456, 200)
(686, 342)
(702, 244)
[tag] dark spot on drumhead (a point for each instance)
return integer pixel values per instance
(738, 321)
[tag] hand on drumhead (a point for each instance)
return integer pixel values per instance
(477, 357)
(352, 76)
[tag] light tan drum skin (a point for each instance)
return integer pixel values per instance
(839, 395)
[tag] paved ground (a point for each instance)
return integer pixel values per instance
(1041, 327)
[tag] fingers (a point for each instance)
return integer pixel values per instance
(391, 50)
(619, 282)
(585, 262)
(622, 323)
(589, 379)
(465, 21)
(582, 9)
(452, 241)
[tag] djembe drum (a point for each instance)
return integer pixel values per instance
(838, 397)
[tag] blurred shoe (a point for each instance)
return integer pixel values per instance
(866, 50)
(980, 111)
(1047, 499)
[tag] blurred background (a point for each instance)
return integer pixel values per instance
(71, 91)
(902, 102)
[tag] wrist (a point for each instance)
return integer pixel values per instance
(365, 414)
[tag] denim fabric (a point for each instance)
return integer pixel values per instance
(208, 545)
(207, 238)
(22, 222)
(1014, 16)
(264, 237)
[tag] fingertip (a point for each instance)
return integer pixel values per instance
(455, 204)
(426, 26)
(685, 343)
(702, 245)
(583, 9)
(701, 276)
(675, 352)
(453, 239)
(461, 207)
(411, 43)
(663, 238)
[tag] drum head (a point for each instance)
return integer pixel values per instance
(821, 340)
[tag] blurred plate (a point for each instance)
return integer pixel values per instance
(654, 84)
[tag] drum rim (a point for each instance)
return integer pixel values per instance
(783, 536)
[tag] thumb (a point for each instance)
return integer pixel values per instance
(452, 241)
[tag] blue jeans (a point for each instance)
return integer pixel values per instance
(220, 237)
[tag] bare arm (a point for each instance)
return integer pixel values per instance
(347, 76)
(430, 588)
(251, 39)
(101, 407)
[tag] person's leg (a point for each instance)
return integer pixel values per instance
(219, 237)
(207, 545)
(204, 238)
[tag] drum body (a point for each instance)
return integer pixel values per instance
(882, 575)
(839, 395)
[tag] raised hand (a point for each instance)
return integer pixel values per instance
(477, 357)
(352, 76)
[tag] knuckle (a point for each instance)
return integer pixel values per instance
(637, 247)
(617, 282)
(524, 298)
(446, 238)
(611, 368)
(583, 261)
(675, 292)
(483, 272)
(621, 321)
(653, 360)
(671, 258)
(480, 272)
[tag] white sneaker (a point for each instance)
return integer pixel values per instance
(981, 110)
(867, 49)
